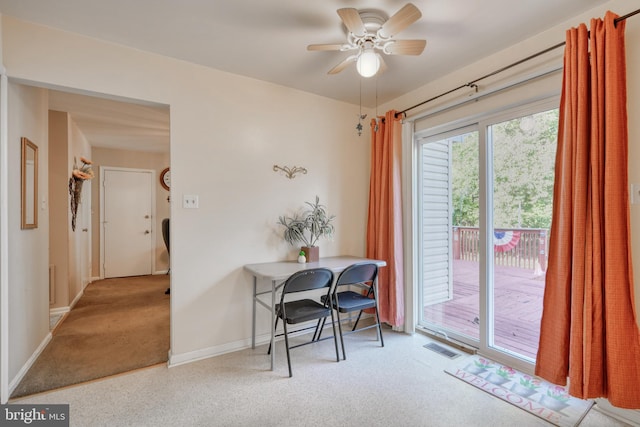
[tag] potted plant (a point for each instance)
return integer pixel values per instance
(307, 228)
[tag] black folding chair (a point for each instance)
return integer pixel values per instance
(303, 310)
(361, 276)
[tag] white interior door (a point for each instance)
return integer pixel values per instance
(127, 222)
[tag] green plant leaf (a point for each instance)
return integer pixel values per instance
(308, 228)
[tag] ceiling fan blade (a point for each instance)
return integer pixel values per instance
(327, 47)
(352, 20)
(401, 20)
(344, 64)
(405, 47)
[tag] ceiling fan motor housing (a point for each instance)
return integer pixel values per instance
(372, 20)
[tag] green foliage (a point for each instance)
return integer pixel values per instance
(465, 181)
(309, 226)
(524, 152)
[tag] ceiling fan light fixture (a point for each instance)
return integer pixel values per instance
(368, 63)
(370, 34)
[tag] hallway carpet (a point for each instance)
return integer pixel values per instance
(118, 325)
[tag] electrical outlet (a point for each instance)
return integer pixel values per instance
(190, 201)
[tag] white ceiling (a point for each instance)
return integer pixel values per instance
(116, 124)
(267, 39)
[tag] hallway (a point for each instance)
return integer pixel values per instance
(118, 325)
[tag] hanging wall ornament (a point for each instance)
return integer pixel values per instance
(361, 116)
(359, 125)
(79, 175)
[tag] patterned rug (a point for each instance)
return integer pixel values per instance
(550, 402)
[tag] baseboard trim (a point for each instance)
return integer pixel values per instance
(63, 310)
(25, 368)
(219, 350)
(75, 300)
(630, 416)
(206, 353)
(59, 310)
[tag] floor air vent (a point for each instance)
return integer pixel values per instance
(441, 350)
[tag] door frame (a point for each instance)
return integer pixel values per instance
(152, 172)
(422, 138)
(4, 239)
(482, 121)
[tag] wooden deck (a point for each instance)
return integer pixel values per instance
(517, 304)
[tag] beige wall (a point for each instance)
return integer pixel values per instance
(69, 250)
(79, 239)
(227, 132)
(59, 205)
(633, 112)
(130, 159)
(28, 249)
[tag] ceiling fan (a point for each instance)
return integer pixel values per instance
(369, 35)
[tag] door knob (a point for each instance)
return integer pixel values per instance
(146, 232)
(146, 217)
(85, 230)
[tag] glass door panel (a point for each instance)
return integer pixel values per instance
(522, 159)
(449, 276)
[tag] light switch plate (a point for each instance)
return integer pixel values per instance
(635, 194)
(190, 201)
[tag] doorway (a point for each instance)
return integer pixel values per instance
(132, 139)
(127, 208)
(484, 210)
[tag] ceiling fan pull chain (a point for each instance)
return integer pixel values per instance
(375, 128)
(361, 116)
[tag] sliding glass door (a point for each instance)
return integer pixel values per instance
(449, 216)
(522, 157)
(485, 196)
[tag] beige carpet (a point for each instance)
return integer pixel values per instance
(118, 325)
(399, 385)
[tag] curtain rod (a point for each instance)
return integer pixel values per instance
(472, 84)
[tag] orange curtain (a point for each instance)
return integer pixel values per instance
(588, 331)
(384, 226)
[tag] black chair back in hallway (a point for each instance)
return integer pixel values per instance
(165, 237)
(165, 234)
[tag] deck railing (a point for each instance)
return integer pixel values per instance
(530, 251)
